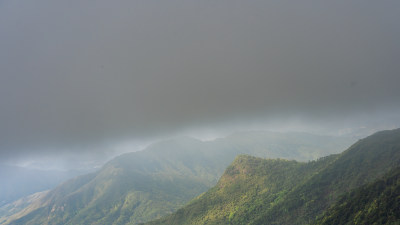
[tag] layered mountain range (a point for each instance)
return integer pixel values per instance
(274, 178)
(141, 186)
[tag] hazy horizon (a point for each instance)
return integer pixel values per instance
(88, 162)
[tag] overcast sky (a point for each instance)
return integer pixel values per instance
(77, 75)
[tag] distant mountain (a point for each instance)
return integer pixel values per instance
(140, 186)
(259, 191)
(18, 182)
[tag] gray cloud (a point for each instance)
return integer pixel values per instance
(75, 73)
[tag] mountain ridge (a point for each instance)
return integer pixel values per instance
(140, 186)
(364, 162)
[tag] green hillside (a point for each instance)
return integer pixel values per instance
(375, 203)
(248, 187)
(292, 193)
(141, 186)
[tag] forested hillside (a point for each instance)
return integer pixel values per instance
(248, 187)
(257, 191)
(375, 203)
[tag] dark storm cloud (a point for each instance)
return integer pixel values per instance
(74, 73)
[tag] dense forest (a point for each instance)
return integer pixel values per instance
(375, 203)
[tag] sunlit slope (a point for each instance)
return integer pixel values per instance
(248, 187)
(141, 186)
(257, 191)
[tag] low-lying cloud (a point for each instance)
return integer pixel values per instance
(77, 73)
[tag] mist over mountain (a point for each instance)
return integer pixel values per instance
(18, 182)
(86, 85)
(140, 186)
